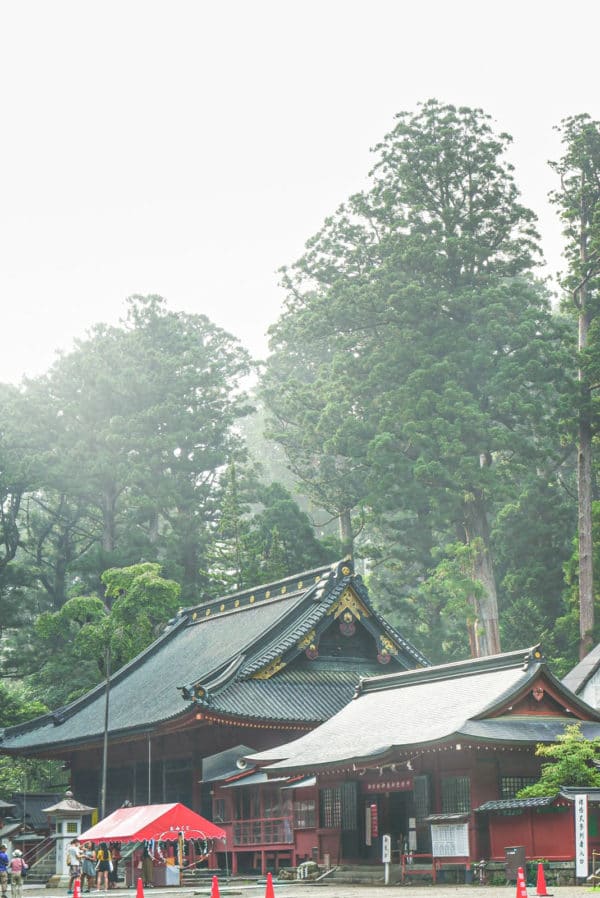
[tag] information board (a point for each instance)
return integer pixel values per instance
(450, 839)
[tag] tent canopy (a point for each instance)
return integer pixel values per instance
(152, 821)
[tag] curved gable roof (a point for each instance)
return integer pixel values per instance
(208, 657)
(428, 706)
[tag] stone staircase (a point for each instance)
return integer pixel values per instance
(40, 872)
(191, 876)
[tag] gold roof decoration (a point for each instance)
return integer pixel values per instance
(349, 601)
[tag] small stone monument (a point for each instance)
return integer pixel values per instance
(68, 815)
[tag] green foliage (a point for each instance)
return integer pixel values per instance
(572, 765)
(533, 541)
(128, 434)
(69, 647)
(17, 706)
(417, 372)
(261, 535)
(565, 630)
(579, 206)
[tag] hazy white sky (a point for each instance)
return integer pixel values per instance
(190, 148)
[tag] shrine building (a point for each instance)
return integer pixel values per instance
(434, 758)
(252, 669)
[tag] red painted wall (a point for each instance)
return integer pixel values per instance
(304, 842)
(544, 835)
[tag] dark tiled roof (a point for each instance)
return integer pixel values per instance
(513, 804)
(224, 763)
(308, 695)
(576, 679)
(421, 707)
(220, 645)
(593, 794)
(30, 807)
(523, 729)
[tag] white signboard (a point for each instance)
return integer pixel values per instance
(368, 838)
(386, 849)
(450, 840)
(581, 836)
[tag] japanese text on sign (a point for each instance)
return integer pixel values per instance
(581, 836)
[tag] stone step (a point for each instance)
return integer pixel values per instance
(358, 874)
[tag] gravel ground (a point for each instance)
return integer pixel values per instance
(329, 889)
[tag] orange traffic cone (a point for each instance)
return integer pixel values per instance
(521, 884)
(139, 892)
(541, 882)
(77, 889)
(270, 891)
(214, 889)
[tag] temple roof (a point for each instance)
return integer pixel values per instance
(260, 654)
(576, 679)
(465, 702)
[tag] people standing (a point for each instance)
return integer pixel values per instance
(113, 876)
(73, 863)
(88, 866)
(3, 871)
(103, 865)
(17, 868)
(147, 867)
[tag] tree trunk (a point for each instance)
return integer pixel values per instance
(584, 457)
(346, 534)
(109, 526)
(584, 492)
(484, 633)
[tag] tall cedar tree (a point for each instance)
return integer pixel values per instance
(413, 368)
(130, 432)
(578, 200)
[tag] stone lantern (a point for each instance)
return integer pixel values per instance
(68, 815)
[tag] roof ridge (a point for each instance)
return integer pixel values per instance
(259, 587)
(292, 630)
(488, 663)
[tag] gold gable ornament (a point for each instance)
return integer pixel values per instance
(349, 601)
(387, 649)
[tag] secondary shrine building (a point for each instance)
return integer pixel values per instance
(434, 758)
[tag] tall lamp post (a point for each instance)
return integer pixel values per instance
(107, 664)
(105, 740)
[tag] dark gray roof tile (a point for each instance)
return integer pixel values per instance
(219, 645)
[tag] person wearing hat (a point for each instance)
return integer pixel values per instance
(3, 871)
(17, 868)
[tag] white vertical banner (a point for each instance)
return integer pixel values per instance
(581, 837)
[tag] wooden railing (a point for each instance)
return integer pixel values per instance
(263, 831)
(417, 865)
(39, 850)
